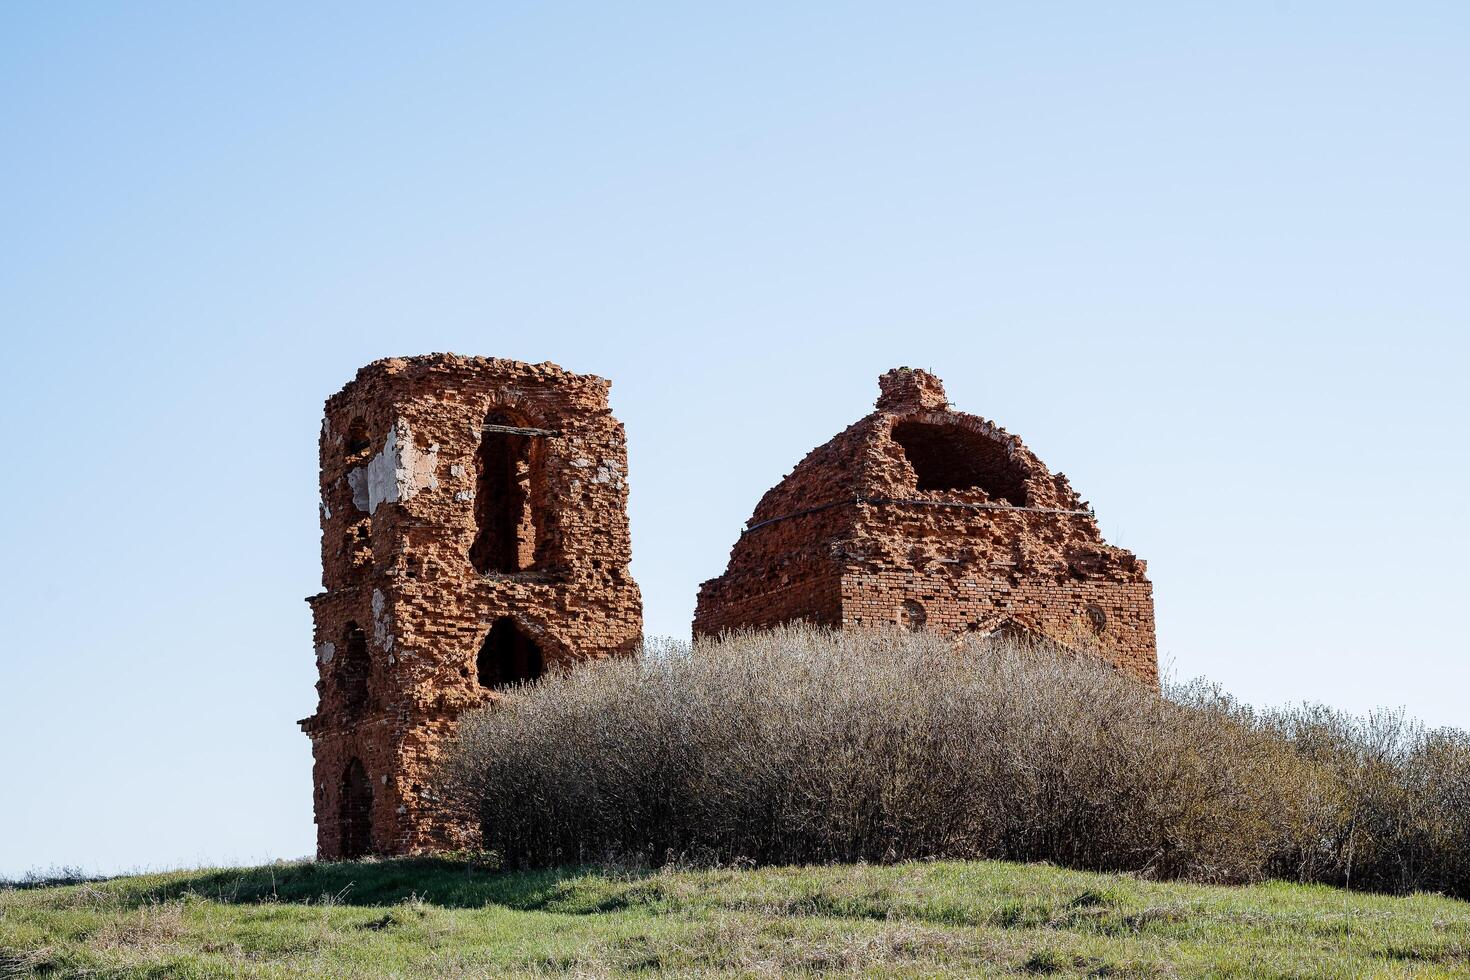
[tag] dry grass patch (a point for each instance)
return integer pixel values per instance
(420, 918)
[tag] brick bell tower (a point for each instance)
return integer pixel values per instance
(474, 534)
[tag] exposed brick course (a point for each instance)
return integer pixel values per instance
(926, 517)
(474, 533)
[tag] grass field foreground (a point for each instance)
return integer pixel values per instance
(432, 918)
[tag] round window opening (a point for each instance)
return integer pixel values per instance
(1096, 618)
(912, 615)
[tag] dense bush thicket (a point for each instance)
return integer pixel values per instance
(800, 745)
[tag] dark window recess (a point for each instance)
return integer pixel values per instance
(1096, 618)
(507, 485)
(358, 442)
(951, 457)
(1018, 634)
(356, 811)
(912, 615)
(353, 670)
(508, 656)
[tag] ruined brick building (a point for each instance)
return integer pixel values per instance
(474, 532)
(930, 518)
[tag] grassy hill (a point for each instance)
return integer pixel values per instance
(430, 918)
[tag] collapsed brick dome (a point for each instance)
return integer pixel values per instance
(925, 517)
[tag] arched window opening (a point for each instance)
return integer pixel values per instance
(353, 670)
(358, 443)
(508, 474)
(951, 457)
(1013, 633)
(356, 811)
(508, 656)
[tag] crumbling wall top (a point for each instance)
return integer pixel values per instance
(905, 390)
(438, 371)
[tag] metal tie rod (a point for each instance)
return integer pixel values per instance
(517, 430)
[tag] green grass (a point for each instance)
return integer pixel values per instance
(429, 918)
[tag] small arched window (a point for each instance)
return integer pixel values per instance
(508, 656)
(358, 443)
(353, 670)
(508, 491)
(356, 811)
(1014, 633)
(952, 457)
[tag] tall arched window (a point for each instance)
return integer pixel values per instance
(354, 669)
(952, 457)
(508, 656)
(507, 490)
(357, 526)
(356, 811)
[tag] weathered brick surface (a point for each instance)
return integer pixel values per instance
(435, 530)
(932, 518)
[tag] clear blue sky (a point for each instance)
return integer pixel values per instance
(1210, 260)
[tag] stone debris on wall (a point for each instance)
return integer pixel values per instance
(928, 518)
(474, 533)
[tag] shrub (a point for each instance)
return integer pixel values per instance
(800, 745)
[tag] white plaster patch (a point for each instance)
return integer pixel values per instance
(325, 652)
(397, 473)
(357, 480)
(456, 470)
(581, 463)
(381, 634)
(326, 511)
(463, 496)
